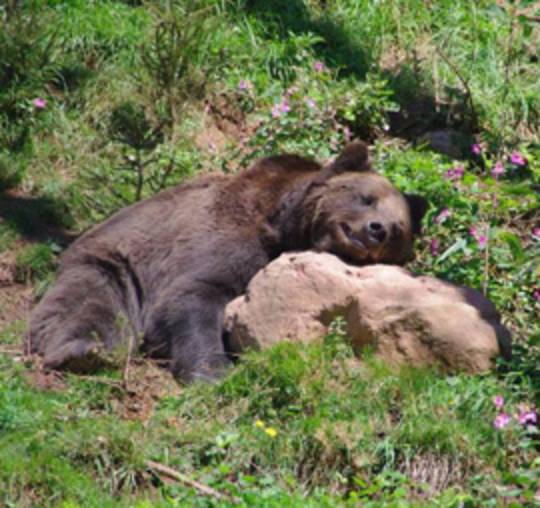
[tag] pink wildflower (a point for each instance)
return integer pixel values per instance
(536, 295)
(497, 170)
(284, 106)
(434, 246)
(498, 400)
(310, 103)
(243, 85)
(449, 175)
(501, 420)
(480, 238)
(482, 241)
(318, 66)
(276, 111)
(527, 416)
(39, 103)
(455, 173)
(536, 233)
(347, 133)
(518, 159)
(443, 215)
(476, 149)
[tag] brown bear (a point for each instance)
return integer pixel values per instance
(167, 266)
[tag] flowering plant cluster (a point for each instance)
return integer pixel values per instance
(311, 117)
(525, 415)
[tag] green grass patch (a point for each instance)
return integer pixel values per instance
(290, 422)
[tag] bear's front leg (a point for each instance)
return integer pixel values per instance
(190, 328)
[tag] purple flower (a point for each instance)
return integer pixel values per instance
(527, 416)
(498, 400)
(310, 103)
(318, 66)
(536, 233)
(284, 106)
(497, 170)
(476, 149)
(434, 246)
(455, 173)
(39, 103)
(501, 420)
(536, 295)
(518, 159)
(243, 85)
(449, 175)
(480, 238)
(443, 215)
(482, 241)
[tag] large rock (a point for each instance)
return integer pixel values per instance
(407, 319)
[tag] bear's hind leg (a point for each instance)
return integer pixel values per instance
(81, 317)
(189, 329)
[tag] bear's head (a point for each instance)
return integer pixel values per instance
(358, 214)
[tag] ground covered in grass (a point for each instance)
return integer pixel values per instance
(294, 426)
(103, 103)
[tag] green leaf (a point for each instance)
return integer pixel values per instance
(514, 244)
(520, 189)
(457, 246)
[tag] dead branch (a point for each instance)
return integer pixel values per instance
(182, 478)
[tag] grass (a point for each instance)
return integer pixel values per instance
(291, 422)
(129, 111)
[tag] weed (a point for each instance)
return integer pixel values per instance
(35, 262)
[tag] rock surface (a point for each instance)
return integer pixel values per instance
(407, 319)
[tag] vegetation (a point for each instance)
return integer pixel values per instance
(103, 103)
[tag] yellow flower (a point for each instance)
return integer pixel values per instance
(271, 431)
(259, 424)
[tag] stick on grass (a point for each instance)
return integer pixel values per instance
(176, 475)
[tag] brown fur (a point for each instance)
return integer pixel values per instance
(170, 264)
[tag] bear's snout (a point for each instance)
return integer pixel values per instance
(376, 232)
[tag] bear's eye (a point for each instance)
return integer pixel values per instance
(368, 200)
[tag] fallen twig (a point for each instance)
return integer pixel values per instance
(176, 475)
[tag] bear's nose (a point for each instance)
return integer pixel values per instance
(377, 231)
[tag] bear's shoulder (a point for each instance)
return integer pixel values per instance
(285, 163)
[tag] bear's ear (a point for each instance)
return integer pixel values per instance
(354, 157)
(418, 207)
